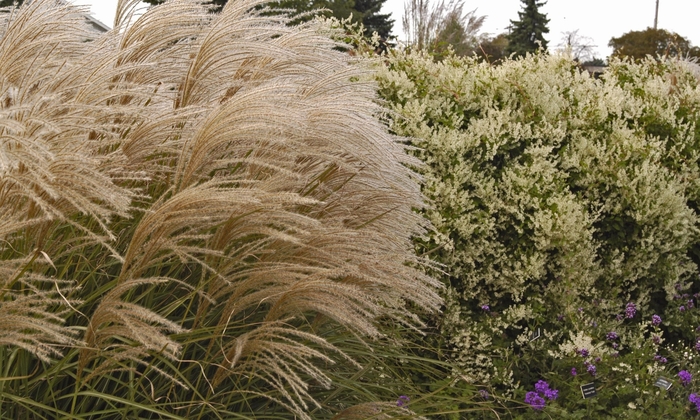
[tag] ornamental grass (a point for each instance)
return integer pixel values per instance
(201, 216)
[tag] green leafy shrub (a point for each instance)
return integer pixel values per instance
(558, 201)
(201, 217)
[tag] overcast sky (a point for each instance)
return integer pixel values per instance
(597, 19)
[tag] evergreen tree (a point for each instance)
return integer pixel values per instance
(366, 11)
(527, 32)
(8, 3)
(218, 3)
(373, 21)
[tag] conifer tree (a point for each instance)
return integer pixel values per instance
(7, 3)
(373, 21)
(527, 32)
(365, 11)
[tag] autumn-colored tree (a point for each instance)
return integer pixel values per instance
(493, 49)
(654, 42)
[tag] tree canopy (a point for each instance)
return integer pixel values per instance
(365, 11)
(528, 31)
(8, 3)
(654, 42)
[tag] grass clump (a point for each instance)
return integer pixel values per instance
(195, 209)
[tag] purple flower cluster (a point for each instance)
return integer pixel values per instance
(695, 399)
(660, 359)
(583, 352)
(484, 394)
(573, 371)
(402, 401)
(485, 308)
(630, 310)
(536, 398)
(590, 368)
(697, 345)
(535, 401)
(542, 387)
(655, 320)
(612, 336)
(685, 377)
(656, 339)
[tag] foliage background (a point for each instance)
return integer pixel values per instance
(558, 199)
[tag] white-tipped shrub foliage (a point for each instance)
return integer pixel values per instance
(198, 213)
(558, 199)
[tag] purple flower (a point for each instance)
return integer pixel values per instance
(695, 399)
(618, 317)
(685, 377)
(597, 359)
(573, 371)
(682, 308)
(594, 324)
(691, 304)
(660, 359)
(616, 354)
(592, 370)
(583, 352)
(484, 394)
(656, 339)
(541, 386)
(560, 317)
(612, 336)
(580, 310)
(535, 401)
(615, 346)
(697, 345)
(630, 310)
(402, 401)
(551, 394)
(485, 307)
(655, 320)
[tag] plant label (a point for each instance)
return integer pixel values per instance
(535, 334)
(663, 383)
(588, 390)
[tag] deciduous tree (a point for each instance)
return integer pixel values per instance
(493, 49)
(654, 42)
(435, 26)
(580, 46)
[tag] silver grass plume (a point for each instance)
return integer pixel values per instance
(238, 145)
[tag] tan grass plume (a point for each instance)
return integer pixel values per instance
(251, 160)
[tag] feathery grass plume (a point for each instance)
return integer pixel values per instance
(217, 198)
(376, 411)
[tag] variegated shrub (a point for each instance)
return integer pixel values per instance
(558, 199)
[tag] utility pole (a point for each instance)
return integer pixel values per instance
(656, 16)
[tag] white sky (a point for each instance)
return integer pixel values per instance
(597, 19)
